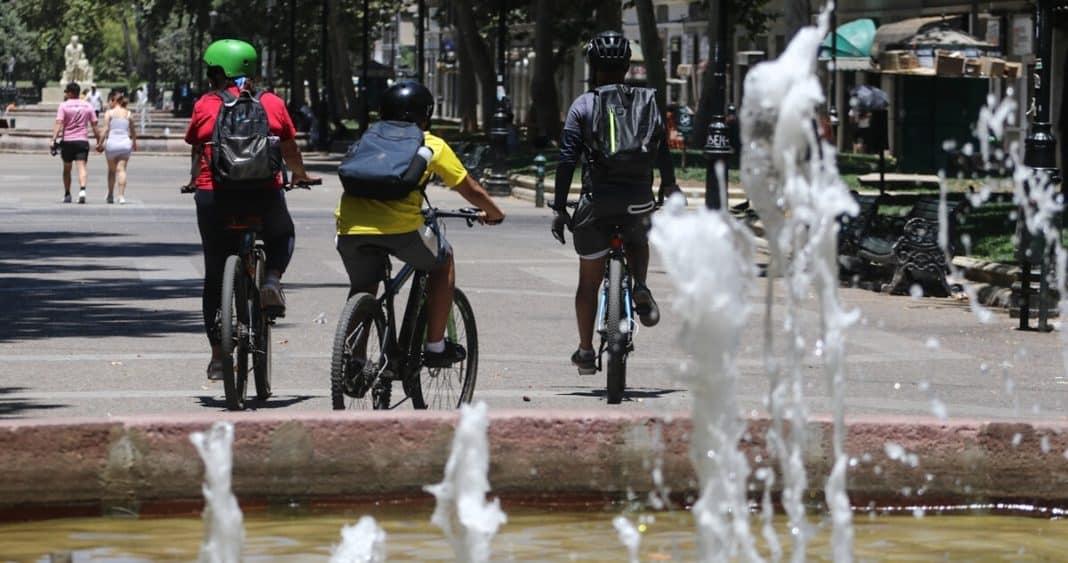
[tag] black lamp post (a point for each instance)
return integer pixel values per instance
(1040, 154)
(365, 106)
(292, 48)
(420, 43)
(327, 99)
(832, 109)
(497, 182)
(718, 143)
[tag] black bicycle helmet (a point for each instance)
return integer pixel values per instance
(608, 50)
(407, 101)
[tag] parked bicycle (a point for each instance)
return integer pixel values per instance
(370, 353)
(244, 323)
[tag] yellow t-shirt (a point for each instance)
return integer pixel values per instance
(362, 216)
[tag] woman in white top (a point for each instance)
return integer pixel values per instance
(117, 142)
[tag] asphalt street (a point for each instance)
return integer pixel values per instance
(101, 317)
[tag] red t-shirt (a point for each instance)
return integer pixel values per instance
(202, 124)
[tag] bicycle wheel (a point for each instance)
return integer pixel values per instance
(357, 362)
(233, 313)
(617, 344)
(261, 335)
(447, 388)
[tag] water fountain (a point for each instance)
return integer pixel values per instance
(224, 532)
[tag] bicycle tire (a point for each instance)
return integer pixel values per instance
(234, 347)
(261, 345)
(435, 387)
(361, 312)
(616, 372)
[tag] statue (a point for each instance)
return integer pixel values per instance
(77, 67)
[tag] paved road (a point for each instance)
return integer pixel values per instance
(101, 317)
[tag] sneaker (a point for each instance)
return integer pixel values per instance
(66, 198)
(111, 198)
(81, 195)
(452, 354)
(272, 298)
(645, 306)
(215, 370)
(122, 200)
(585, 361)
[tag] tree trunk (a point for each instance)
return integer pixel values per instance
(481, 55)
(129, 44)
(544, 103)
(609, 16)
(341, 74)
(656, 77)
(797, 16)
(466, 88)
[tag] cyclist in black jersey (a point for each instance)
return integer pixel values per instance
(601, 208)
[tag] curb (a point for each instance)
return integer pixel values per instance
(143, 464)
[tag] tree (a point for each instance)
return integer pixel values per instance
(653, 51)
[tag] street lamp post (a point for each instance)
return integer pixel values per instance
(327, 99)
(497, 183)
(832, 109)
(292, 48)
(1040, 154)
(718, 144)
(365, 106)
(420, 43)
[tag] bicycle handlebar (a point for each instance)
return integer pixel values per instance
(190, 188)
(469, 214)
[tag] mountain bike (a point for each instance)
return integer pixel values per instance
(370, 353)
(244, 323)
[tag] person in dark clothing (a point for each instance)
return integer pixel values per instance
(600, 207)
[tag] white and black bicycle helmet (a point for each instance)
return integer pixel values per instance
(608, 50)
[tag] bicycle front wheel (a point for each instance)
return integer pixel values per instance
(357, 363)
(617, 345)
(447, 388)
(234, 316)
(261, 336)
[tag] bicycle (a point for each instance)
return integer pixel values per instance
(244, 323)
(370, 354)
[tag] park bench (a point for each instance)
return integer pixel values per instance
(475, 158)
(910, 246)
(853, 230)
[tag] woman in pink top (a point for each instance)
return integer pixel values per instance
(73, 118)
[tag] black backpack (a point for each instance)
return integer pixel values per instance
(385, 164)
(244, 155)
(624, 136)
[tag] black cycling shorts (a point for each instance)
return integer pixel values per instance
(594, 223)
(74, 150)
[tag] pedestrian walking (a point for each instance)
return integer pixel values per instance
(94, 100)
(118, 142)
(74, 119)
(9, 71)
(142, 107)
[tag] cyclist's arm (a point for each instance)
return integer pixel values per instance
(56, 128)
(570, 149)
(294, 160)
(668, 182)
(476, 195)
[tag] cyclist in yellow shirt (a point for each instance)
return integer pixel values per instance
(368, 229)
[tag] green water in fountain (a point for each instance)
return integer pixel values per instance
(531, 534)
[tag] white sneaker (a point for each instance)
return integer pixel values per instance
(122, 200)
(81, 196)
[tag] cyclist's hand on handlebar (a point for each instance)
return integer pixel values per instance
(492, 217)
(560, 220)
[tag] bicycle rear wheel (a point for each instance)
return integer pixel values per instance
(234, 316)
(447, 388)
(261, 335)
(617, 345)
(357, 363)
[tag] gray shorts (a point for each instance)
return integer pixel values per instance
(366, 256)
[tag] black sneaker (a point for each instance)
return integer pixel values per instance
(645, 306)
(453, 353)
(585, 361)
(66, 198)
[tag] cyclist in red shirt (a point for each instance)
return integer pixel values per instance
(230, 64)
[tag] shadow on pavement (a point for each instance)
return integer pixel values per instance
(253, 404)
(20, 408)
(629, 395)
(44, 292)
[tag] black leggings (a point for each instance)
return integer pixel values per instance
(219, 242)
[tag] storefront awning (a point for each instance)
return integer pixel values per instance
(854, 39)
(897, 32)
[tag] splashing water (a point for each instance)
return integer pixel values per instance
(791, 179)
(705, 250)
(629, 536)
(224, 532)
(363, 542)
(469, 522)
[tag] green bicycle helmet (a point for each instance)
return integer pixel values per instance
(235, 57)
